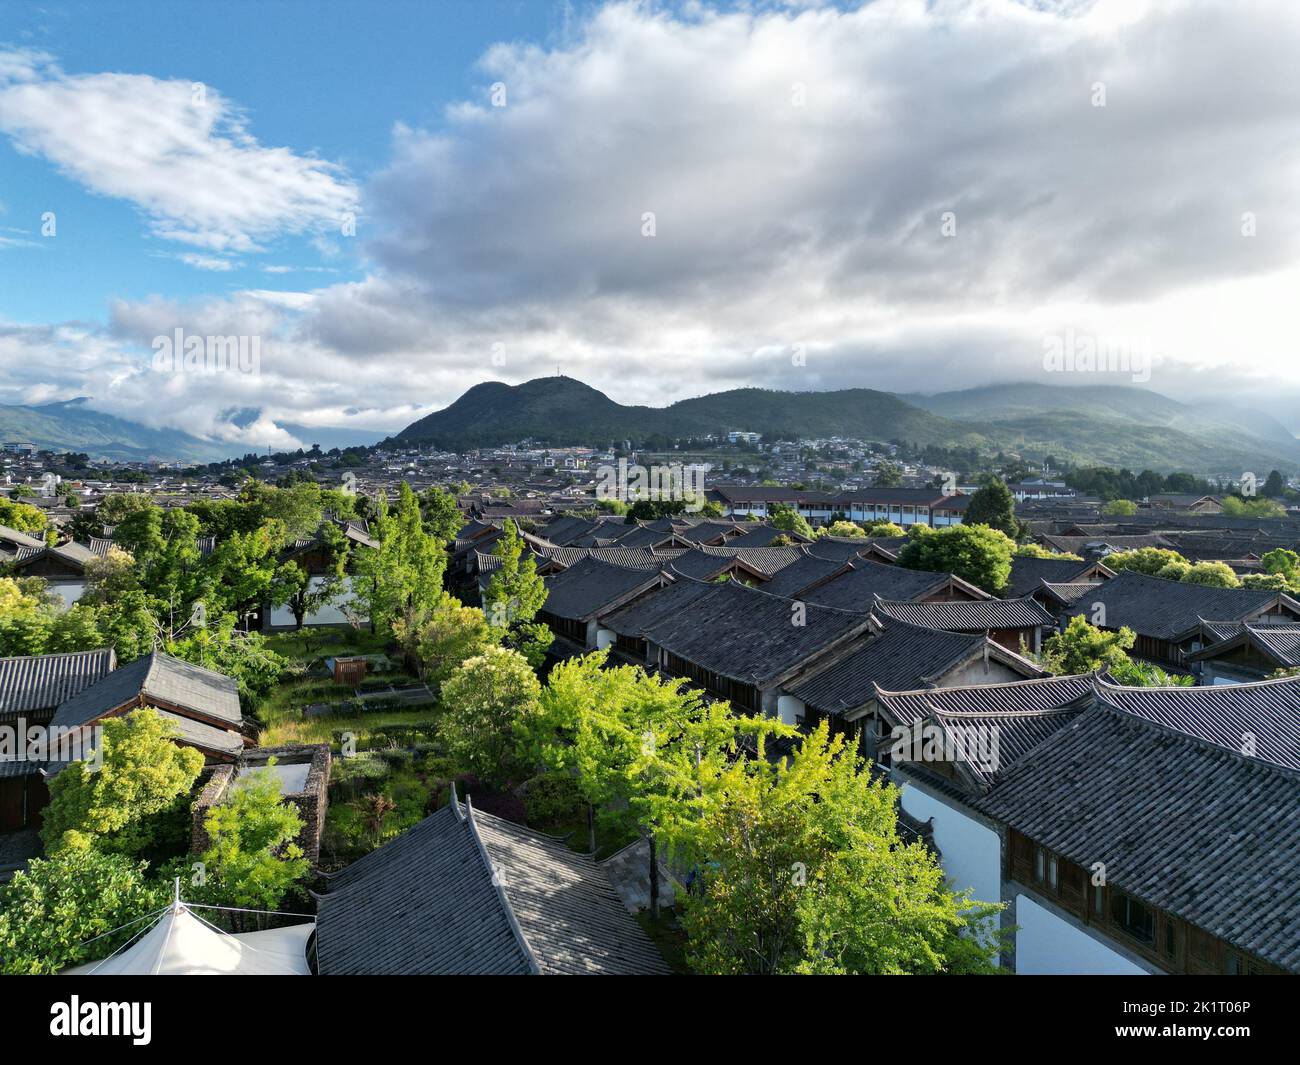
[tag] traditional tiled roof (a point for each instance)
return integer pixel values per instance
(858, 588)
(466, 893)
(1261, 718)
(1046, 693)
(1159, 608)
(988, 745)
(588, 587)
(1062, 595)
(646, 611)
(19, 539)
(158, 677)
(796, 578)
(750, 635)
(41, 682)
(901, 657)
(72, 554)
(968, 615)
(1026, 573)
(1187, 826)
(1279, 644)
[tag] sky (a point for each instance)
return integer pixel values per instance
(399, 200)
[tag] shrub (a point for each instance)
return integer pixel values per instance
(553, 798)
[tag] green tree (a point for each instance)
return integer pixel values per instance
(484, 700)
(442, 517)
(882, 528)
(142, 774)
(1236, 507)
(844, 528)
(1275, 485)
(23, 517)
(1148, 560)
(71, 907)
(514, 596)
(994, 505)
(252, 859)
(443, 637)
(1084, 648)
(804, 872)
(405, 572)
(975, 553)
(888, 475)
(1120, 508)
(789, 520)
(1285, 563)
(307, 593)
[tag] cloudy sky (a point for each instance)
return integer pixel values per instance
(402, 200)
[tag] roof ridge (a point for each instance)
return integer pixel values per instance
(498, 884)
(996, 684)
(1205, 687)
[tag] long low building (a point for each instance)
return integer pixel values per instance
(902, 506)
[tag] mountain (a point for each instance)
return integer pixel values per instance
(1123, 426)
(1088, 425)
(562, 411)
(73, 426)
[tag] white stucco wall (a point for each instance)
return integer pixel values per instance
(972, 852)
(789, 709)
(68, 591)
(975, 673)
(605, 638)
(1046, 944)
(330, 615)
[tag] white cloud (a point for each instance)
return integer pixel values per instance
(183, 154)
(799, 162)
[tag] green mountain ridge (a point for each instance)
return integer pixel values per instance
(1090, 425)
(73, 426)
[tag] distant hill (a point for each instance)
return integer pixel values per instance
(73, 426)
(1123, 426)
(562, 411)
(1102, 425)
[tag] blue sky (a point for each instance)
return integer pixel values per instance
(669, 199)
(320, 76)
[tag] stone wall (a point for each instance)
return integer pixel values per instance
(312, 801)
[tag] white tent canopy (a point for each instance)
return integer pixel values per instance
(183, 944)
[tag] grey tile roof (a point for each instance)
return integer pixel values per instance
(1026, 573)
(1189, 827)
(858, 588)
(1019, 696)
(761, 536)
(809, 570)
(1264, 716)
(644, 612)
(1065, 594)
(161, 677)
(19, 539)
(968, 615)
(465, 893)
(1152, 606)
(902, 656)
(748, 634)
(587, 587)
(41, 682)
(1278, 643)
